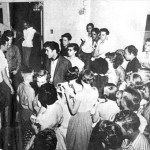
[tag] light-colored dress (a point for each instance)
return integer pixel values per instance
(80, 125)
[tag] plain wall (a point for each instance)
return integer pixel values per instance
(125, 19)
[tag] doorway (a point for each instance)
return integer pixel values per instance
(31, 12)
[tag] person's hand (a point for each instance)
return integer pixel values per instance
(12, 90)
(35, 128)
(14, 72)
(144, 65)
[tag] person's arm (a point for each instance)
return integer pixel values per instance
(146, 65)
(30, 143)
(18, 56)
(7, 81)
(72, 107)
(95, 116)
(31, 97)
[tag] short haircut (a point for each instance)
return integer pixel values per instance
(3, 40)
(132, 49)
(112, 91)
(112, 136)
(129, 119)
(104, 30)
(67, 35)
(75, 47)
(96, 30)
(89, 24)
(52, 45)
(8, 33)
(72, 73)
(45, 140)
(133, 101)
(99, 66)
(47, 94)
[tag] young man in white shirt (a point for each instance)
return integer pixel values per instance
(27, 44)
(103, 45)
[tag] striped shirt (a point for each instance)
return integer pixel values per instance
(140, 143)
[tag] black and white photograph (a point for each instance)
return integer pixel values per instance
(74, 74)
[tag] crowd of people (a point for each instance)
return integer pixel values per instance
(87, 97)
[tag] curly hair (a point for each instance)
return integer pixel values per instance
(116, 58)
(87, 76)
(72, 73)
(45, 140)
(111, 134)
(132, 99)
(129, 119)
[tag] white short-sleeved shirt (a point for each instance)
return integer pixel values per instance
(87, 47)
(28, 37)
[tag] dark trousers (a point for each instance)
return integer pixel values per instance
(26, 52)
(6, 113)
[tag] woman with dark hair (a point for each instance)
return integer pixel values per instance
(117, 59)
(80, 124)
(73, 87)
(106, 135)
(100, 67)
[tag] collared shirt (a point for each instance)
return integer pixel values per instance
(28, 37)
(26, 95)
(53, 67)
(102, 48)
(140, 143)
(13, 57)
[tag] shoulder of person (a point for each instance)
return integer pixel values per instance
(65, 60)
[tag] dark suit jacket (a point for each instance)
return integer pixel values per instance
(61, 68)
